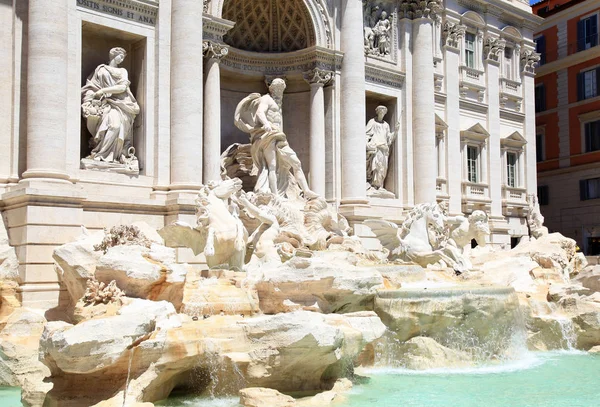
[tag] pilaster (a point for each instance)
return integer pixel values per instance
(213, 53)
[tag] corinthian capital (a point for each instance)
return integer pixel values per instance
(211, 49)
(529, 60)
(420, 9)
(319, 76)
(493, 48)
(452, 34)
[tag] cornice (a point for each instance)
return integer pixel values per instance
(298, 62)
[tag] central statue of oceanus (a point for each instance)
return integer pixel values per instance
(278, 165)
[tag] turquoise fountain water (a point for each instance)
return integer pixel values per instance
(556, 379)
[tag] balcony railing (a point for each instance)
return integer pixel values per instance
(512, 195)
(471, 76)
(510, 87)
(475, 191)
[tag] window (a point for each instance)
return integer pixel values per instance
(592, 136)
(539, 147)
(508, 63)
(589, 189)
(587, 84)
(472, 164)
(587, 33)
(540, 48)
(470, 50)
(511, 170)
(543, 195)
(540, 98)
(593, 246)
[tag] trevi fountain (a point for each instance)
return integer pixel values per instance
(292, 306)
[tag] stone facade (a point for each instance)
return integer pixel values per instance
(568, 120)
(456, 77)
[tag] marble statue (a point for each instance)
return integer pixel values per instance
(429, 236)
(278, 165)
(418, 240)
(219, 233)
(379, 141)
(377, 30)
(535, 219)
(464, 229)
(109, 109)
(370, 21)
(382, 34)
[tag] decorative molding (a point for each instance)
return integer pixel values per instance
(322, 6)
(452, 34)
(214, 28)
(472, 106)
(438, 82)
(318, 76)
(512, 116)
(414, 9)
(130, 10)
(206, 4)
(493, 48)
(211, 49)
(388, 77)
(279, 64)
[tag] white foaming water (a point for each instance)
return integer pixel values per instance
(527, 360)
(568, 332)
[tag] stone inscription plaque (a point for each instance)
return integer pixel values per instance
(125, 9)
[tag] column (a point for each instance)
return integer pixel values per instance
(212, 110)
(317, 79)
(453, 39)
(47, 58)
(353, 114)
(493, 49)
(529, 60)
(423, 103)
(186, 95)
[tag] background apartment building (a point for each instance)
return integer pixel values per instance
(568, 119)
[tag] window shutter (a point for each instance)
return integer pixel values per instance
(594, 31)
(543, 96)
(541, 48)
(580, 35)
(597, 81)
(582, 190)
(580, 86)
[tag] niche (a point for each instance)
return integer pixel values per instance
(372, 101)
(97, 41)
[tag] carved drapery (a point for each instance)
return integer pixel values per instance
(420, 9)
(269, 25)
(452, 34)
(493, 48)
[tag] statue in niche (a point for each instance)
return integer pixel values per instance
(382, 34)
(377, 29)
(370, 21)
(110, 109)
(279, 169)
(379, 141)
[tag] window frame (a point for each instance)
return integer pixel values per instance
(540, 107)
(584, 120)
(588, 144)
(584, 192)
(540, 48)
(475, 168)
(582, 38)
(473, 51)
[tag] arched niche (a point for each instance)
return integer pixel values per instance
(314, 14)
